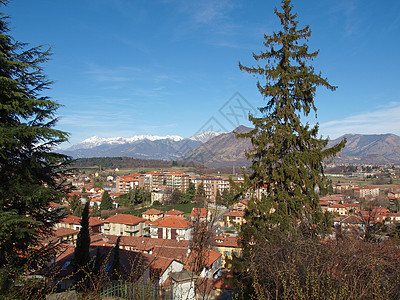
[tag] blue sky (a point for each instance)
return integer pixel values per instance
(127, 67)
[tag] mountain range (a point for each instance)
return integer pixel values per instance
(215, 149)
(168, 147)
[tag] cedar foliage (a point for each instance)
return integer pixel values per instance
(287, 156)
(30, 173)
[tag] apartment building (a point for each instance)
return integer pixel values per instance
(212, 185)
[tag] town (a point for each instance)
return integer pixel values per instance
(141, 211)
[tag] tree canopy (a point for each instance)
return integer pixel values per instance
(31, 173)
(287, 156)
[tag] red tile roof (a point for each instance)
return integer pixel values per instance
(153, 211)
(70, 219)
(231, 241)
(337, 206)
(234, 214)
(124, 219)
(171, 222)
(95, 221)
(174, 212)
(64, 232)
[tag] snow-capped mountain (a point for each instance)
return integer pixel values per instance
(140, 146)
(205, 136)
(95, 141)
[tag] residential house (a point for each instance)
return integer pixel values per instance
(152, 214)
(338, 208)
(66, 234)
(163, 267)
(351, 222)
(171, 227)
(160, 194)
(125, 225)
(209, 262)
(241, 205)
(200, 215)
(228, 247)
(174, 212)
(234, 218)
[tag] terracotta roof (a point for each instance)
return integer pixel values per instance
(231, 241)
(171, 222)
(174, 212)
(352, 219)
(161, 263)
(153, 211)
(234, 214)
(337, 206)
(64, 232)
(124, 219)
(95, 221)
(211, 256)
(351, 204)
(199, 212)
(323, 203)
(176, 173)
(70, 219)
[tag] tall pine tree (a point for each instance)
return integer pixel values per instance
(81, 254)
(30, 172)
(287, 156)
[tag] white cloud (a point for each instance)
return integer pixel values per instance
(382, 120)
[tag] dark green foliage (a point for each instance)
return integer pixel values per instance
(228, 197)
(134, 197)
(200, 193)
(287, 156)
(95, 210)
(116, 263)
(30, 173)
(81, 254)
(191, 191)
(75, 206)
(126, 163)
(106, 201)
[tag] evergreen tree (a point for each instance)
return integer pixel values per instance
(200, 193)
(287, 156)
(81, 254)
(116, 263)
(191, 191)
(96, 210)
(30, 173)
(106, 201)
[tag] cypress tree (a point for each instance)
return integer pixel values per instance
(30, 172)
(287, 156)
(81, 254)
(116, 263)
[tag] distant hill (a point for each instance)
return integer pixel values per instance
(226, 150)
(216, 150)
(222, 151)
(126, 163)
(373, 148)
